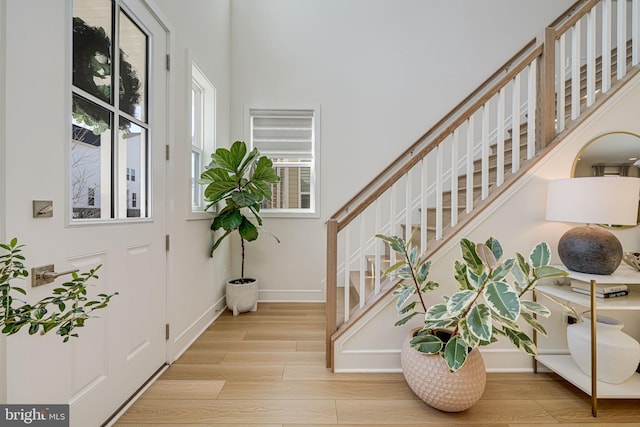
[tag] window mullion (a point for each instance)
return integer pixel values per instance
(119, 193)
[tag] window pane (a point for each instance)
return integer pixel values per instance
(194, 111)
(90, 160)
(133, 68)
(132, 145)
(294, 189)
(92, 55)
(196, 201)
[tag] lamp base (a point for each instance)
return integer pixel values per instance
(592, 250)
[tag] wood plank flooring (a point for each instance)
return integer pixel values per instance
(266, 369)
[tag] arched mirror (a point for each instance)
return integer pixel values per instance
(611, 154)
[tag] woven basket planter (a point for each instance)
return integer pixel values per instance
(429, 378)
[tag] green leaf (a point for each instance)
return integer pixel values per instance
(521, 341)
(548, 271)
(540, 255)
(460, 274)
(470, 257)
(440, 323)
(460, 301)
(455, 353)
(244, 198)
(495, 247)
(224, 159)
(523, 264)
(534, 323)
(214, 175)
(405, 319)
(264, 171)
(479, 322)
(503, 269)
(535, 307)
(218, 190)
(227, 219)
(428, 344)
(406, 293)
(393, 268)
(470, 339)
(437, 312)
(247, 230)
(423, 271)
(520, 280)
(404, 310)
(430, 286)
(502, 300)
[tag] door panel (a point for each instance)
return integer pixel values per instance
(119, 350)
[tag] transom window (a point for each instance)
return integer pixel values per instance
(110, 129)
(289, 137)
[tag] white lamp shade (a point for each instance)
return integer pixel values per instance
(594, 200)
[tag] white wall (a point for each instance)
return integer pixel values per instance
(382, 71)
(200, 33)
(517, 221)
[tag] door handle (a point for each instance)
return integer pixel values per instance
(53, 275)
(47, 274)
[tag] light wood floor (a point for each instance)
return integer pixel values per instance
(267, 369)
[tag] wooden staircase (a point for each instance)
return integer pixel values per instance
(491, 172)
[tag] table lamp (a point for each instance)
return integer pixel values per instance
(592, 200)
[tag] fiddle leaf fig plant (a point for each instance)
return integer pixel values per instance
(490, 300)
(66, 309)
(242, 180)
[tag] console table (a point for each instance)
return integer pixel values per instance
(563, 364)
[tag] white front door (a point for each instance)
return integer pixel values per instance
(111, 211)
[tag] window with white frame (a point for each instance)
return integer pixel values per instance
(110, 120)
(203, 96)
(289, 137)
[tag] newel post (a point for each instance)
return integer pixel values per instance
(548, 89)
(331, 283)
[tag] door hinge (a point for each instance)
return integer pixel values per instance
(168, 62)
(167, 152)
(166, 242)
(166, 331)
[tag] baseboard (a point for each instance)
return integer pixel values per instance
(188, 336)
(293, 295)
(496, 360)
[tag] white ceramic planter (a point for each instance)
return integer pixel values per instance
(242, 297)
(618, 354)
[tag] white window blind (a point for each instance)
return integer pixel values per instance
(289, 138)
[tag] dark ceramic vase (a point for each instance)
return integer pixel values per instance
(589, 249)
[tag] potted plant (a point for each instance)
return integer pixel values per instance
(241, 179)
(489, 302)
(66, 309)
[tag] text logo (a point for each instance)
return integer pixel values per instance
(34, 415)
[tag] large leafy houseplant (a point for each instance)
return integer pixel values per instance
(489, 302)
(242, 180)
(66, 309)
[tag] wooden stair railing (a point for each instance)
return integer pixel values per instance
(471, 156)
